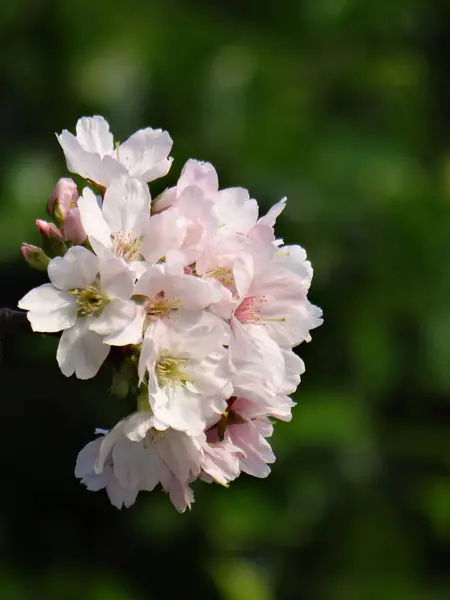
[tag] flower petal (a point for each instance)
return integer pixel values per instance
(76, 269)
(92, 218)
(145, 153)
(117, 280)
(81, 351)
(49, 309)
(126, 206)
(130, 334)
(94, 136)
(115, 316)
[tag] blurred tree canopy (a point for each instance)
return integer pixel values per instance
(343, 106)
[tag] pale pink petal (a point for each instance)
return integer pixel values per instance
(120, 496)
(180, 454)
(274, 212)
(145, 154)
(87, 457)
(76, 157)
(73, 227)
(92, 218)
(126, 206)
(165, 232)
(114, 317)
(135, 466)
(180, 494)
(49, 309)
(137, 425)
(200, 174)
(76, 269)
(192, 291)
(81, 351)
(117, 280)
(94, 136)
(130, 334)
(235, 210)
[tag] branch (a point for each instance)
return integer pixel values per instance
(13, 322)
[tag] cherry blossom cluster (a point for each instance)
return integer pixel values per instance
(191, 298)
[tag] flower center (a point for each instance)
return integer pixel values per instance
(160, 306)
(216, 433)
(169, 371)
(153, 436)
(225, 277)
(126, 245)
(90, 300)
(249, 310)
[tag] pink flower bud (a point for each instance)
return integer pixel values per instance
(63, 198)
(52, 239)
(35, 257)
(49, 230)
(73, 228)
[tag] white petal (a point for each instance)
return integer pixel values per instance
(181, 495)
(117, 281)
(86, 458)
(126, 206)
(94, 136)
(88, 165)
(192, 291)
(115, 316)
(76, 158)
(200, 174)
(182, 410)
(92, 218)
(164, 232)
(145, 153)
(235, 210)
(76, 269)
(49, 309)
(136, 466)
(271, 216)
(120, 496)
(131, 334)
(95, 482)
(135, 428)
(81, 351)
(180, 454)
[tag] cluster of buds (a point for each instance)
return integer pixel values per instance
(200, 299)
(63, 208)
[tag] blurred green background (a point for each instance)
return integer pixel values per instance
(343, 106)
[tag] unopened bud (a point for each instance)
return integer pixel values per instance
(73, 228)
(63, 198)
(52, 238)
(35, 257)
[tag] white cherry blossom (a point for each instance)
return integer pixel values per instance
(93, 154)
(201, 299)
(135, 457)
(188, 373)
(88, 299)
(120, 222)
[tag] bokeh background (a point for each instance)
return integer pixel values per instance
(343, 106)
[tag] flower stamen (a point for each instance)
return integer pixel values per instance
(90, 300)
(160, 306)
(249, 310)
(224, 276)
(127, 246)
(169, 371)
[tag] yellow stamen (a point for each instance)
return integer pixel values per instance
(169, 371)
(90, 300)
